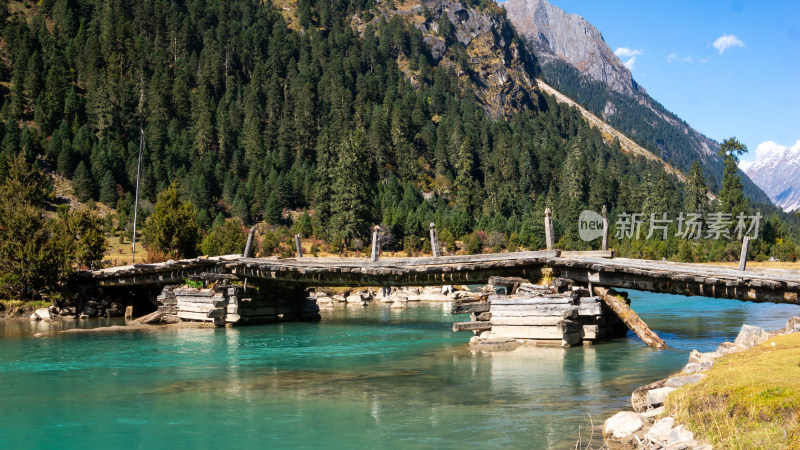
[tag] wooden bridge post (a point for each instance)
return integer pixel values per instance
(247, 247)
(548, 229)
(743, 256)
(298, 247)
(434, 240)
(605, 229)
(375, 249)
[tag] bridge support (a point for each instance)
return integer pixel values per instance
(228, 304)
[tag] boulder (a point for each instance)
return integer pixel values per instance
(676, 382)
(116, 309)
(659, 432)
(656, 397)
(697, 357)
(727, 347)
(650, 415)
(793, 325)
(41, 314)
(750, 336)
(354, 299)
(693, 368)
(621, 424)
(680, 438)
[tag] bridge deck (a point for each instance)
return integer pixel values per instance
(596, 268)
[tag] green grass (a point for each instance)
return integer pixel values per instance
(15, 308)
(748, 400)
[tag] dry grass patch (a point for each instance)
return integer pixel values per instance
(748, 400)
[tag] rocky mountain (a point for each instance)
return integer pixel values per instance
(555, 34)
(575, 59)
(479, 44)
(776, 171)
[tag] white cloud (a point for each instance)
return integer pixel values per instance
(630, 54)
(769, 147)
(673, 57)
(744, 165)
(727, 41)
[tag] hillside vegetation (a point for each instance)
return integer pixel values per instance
(321, 118)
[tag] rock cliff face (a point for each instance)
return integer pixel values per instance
(576, 60)
(553, 33)
(482, 49)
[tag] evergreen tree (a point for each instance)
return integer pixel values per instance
(227, 238)
(82, 183)
(732, 199)
(697, 198)
(352, 195)
(108, 189)
(171, 230)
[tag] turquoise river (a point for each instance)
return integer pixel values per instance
(367, 377)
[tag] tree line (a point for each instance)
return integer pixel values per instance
(307, 125)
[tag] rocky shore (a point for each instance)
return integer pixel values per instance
(397, 297)
(648, 427)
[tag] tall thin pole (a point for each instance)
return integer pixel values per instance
(136, 197)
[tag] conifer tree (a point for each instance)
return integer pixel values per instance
(82, 183)
(732, 199)
(171, 230)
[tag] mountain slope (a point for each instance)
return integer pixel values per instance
(610, 133)
(776, 173)
(575, 59)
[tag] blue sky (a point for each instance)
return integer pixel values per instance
(728, 68)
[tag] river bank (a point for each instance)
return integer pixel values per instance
(745, 394)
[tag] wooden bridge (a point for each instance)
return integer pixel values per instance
(584, 268)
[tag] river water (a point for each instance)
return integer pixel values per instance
(361, 378)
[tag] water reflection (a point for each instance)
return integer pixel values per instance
(362, 377)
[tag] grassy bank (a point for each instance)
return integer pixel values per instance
(748, 400)
(21, 308)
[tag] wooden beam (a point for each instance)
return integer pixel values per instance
(471, 326)
(469, 307)
(630, 318)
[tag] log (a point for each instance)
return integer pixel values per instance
(471, 307)
(483, 317)
(531, 301)
(527, 320)
(471, 326)
(150, 318)
(631, 319)
(530, 332)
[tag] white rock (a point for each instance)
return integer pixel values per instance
(750, 336)
(680, 437)
(41, 314)
(656, 397)
(354, 299)
(676, 382)
(486, 335)
(652, 413)
(622, 424)
(659, 433)
(474, 340)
